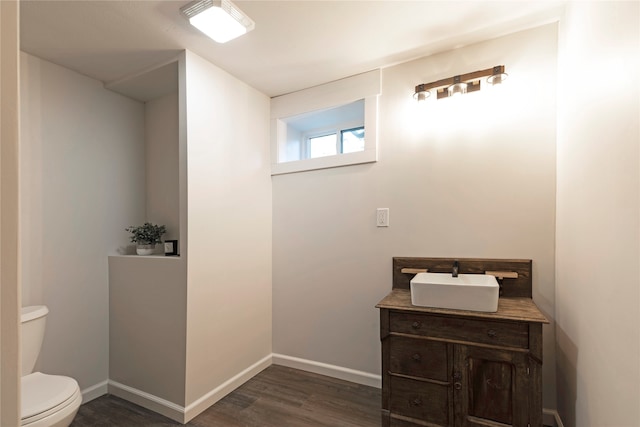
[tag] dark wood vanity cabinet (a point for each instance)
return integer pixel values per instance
(495, 385)
(444, 367)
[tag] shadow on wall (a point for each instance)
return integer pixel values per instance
(566, 377)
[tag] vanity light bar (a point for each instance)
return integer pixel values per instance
(495, 75)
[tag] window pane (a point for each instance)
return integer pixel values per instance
(352, 140)
(321, 146)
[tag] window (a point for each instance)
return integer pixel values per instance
(320, 146)
(352, 140)
(324, 126)
(328, 144)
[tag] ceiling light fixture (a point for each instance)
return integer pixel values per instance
(463, 83)
(219, 19)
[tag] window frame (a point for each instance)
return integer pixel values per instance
(364, 87)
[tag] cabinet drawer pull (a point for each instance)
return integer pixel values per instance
(492, 333)
(416, 325)
(457, 386)
(457, 376)
(416, 402)
(416, 357)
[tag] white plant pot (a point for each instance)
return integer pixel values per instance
(145, 249)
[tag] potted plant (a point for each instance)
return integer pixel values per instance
(146, 236)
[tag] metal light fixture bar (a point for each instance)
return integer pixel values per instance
(471, 79)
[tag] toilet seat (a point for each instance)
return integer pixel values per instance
(45, 395)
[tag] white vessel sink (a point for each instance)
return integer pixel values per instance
(474, 292)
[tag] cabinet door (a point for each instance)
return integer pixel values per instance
(491, 387)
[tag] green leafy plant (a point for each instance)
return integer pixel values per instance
(147, 234)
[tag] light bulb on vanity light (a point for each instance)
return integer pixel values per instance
(422, 95)
(497, 76)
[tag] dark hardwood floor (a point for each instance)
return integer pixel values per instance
(276, 397)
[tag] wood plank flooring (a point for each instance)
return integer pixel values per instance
(276, 397)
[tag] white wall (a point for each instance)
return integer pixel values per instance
(162, 180)
(82, 177)
(147, 328)
(229, 227)
(598, 232)
(469, 179)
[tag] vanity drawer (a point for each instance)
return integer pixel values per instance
(460, 329)
(418, 357)
(421, 400)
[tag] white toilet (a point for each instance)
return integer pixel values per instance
(47, 400)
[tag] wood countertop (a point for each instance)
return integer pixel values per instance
(520, 309)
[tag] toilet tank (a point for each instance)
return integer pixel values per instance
(33, 322)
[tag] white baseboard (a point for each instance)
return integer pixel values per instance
(180, 413)
(183, 414)
(147, 400)
(225, 388)
(359, 377)
(95, 391)
(550, 417)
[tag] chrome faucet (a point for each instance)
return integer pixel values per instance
(454, 273)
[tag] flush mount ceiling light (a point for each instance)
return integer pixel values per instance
(463, 83)
(219, 19)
